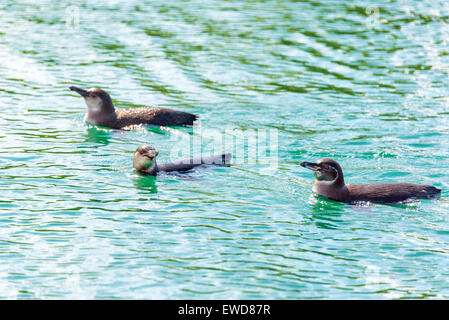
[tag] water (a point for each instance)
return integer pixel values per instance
(364, 85)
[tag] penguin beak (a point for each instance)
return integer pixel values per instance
(310, 165)
(151, 154)
(80, 91)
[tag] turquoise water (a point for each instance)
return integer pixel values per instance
(364, 85)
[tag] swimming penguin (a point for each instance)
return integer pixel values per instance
(101, 111)
(330, 183)
(144, 160)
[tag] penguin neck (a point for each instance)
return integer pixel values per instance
(152, 170)
(108, 106)
(335, 189)
(101, 116)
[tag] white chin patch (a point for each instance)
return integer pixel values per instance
(145, 162)
(93, 105)
(318, 174)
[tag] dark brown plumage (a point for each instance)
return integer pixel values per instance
(102, 112)
(144, 160)
(330, 183)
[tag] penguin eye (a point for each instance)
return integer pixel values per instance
(331, 169)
